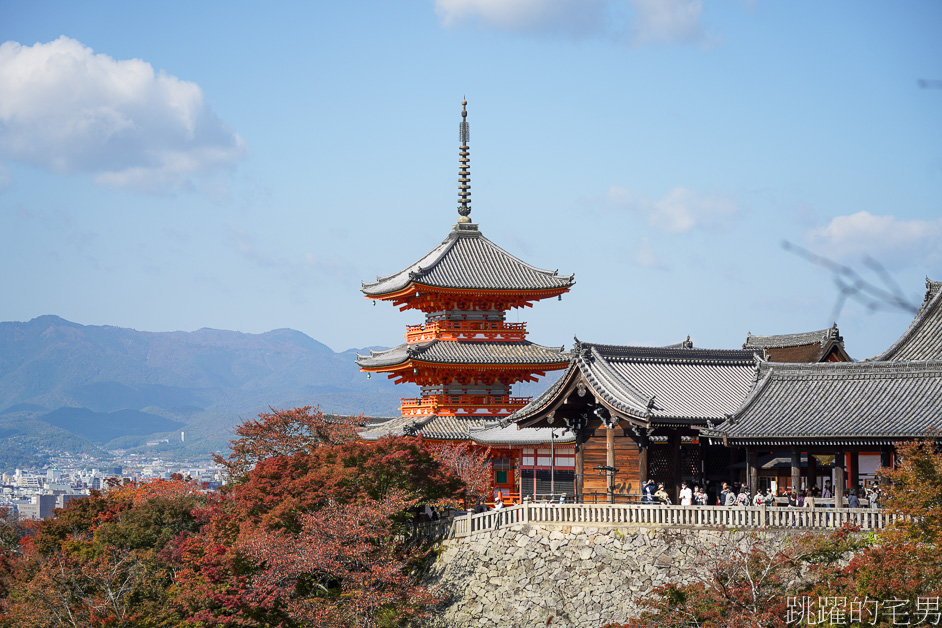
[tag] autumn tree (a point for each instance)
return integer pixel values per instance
(284, 433)
(344, 567)
(280, 489)
(469, 462)
(98, 562)
(914, 491)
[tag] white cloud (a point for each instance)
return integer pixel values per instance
(887, 239)
(66, 109)
(636, 21)
(646, 257)
(667, 21)
(681, 210)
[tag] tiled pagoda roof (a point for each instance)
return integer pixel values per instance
(923, 339)
(839, 402)
(466, 352)
(654, 384)
(466, 260)
(485, 431)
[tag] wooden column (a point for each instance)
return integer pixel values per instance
(796, 469)
(752, 468)
(674, 443)
(580, 445)
(610, 461)
(840, 487)
(854, 471)
(642, 458)
(812, 471)
(886, 460)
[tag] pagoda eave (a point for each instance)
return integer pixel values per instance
(434, 298)
(431, 373)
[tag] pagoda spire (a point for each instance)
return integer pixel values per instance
(464, 167)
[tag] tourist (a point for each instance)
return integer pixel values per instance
(721, 499)
(792, 499)
(743, 498)
(809, 499)
(661, 495)
(826, 492)
(700, 497)
(800, 500)
(852, 500)
(759, 499)
(647, 492)
(730, 499)
(686, 495)
(769, 497)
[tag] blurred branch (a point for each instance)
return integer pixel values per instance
(851, 285)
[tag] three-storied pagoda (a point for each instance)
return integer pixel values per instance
(466, 355)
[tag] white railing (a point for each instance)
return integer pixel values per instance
(603, 515)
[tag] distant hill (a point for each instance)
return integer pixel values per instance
(117, 387)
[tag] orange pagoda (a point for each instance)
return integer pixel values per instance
(466, 356)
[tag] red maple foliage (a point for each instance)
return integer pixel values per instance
(280, 489)
(284, 433)
(312, 534)
(343, 568)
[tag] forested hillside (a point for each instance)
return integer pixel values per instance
(66, 385)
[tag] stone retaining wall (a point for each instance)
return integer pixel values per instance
(524, 575)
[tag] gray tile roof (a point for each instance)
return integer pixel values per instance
(661, 384)
(466, 352)
(484, 431)
(923, 339)
(468, 260)
(844, 401)
(820, 337)
(514, 435)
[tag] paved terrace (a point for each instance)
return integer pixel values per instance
(643, 515)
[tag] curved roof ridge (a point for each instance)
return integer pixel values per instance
(928, 318)
(880, 369)
(489, 352)
(597, 368)
(672, 353)
(778, 341)
(764, 371)
(435, 254)
(537, 402)
(468, 260)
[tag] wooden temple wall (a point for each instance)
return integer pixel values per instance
(595, 453)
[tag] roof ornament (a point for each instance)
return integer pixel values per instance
(687, 344)
(464, 167)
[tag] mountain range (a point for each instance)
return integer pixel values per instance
(85, 388)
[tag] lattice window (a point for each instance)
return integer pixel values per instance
(717, 461)
(659, 463)
(690, 461)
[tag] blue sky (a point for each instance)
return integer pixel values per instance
(172, 166)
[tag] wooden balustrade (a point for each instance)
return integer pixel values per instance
(605, 515)
(466, 330)
(460, 404)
